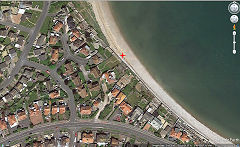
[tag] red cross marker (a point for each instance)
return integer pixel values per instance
(122, 55)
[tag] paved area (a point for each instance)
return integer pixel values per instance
(81, 124)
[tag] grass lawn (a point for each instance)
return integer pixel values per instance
(80, 74)
(31, 21)
(56, 6)
(38, 4)
(47, 25)
(133, 98)
(108, 108)
(108, 64)
(25, 34)
(34, 59)
(32, 96)
(6, 41)
(127, 89)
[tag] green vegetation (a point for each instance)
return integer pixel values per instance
(86, 11)
(106, 111)
(56, 6)
(47, 25)
(6, 41)
(34, 59)
(25, 34)
(133, 98)
(80, 74)
(108, 64)
(30, 22)
(38, 4)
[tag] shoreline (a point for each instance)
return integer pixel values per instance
(118, 44)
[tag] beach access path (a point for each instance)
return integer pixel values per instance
(118, 44)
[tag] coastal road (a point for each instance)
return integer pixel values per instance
(28, 46)
(121, 128)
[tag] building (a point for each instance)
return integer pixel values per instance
(55, 55)
(87, 137)
(85, 50)
(109, 76)
(95, 72)
(85, 110)
(125, 80)
(76, 33)
(114, 142)
(20, 41)
(3, 124)
(22, 115)
(82, 91)
(58, 26)
(62, 109)
(126, 108)
(55, 109)
(54, 94)
(53, 40)
(93, 86)
(68, 68)
(156, 123)
(46, 110)
(136, 114)
(120, 97)
(12, 120)
(35, 115)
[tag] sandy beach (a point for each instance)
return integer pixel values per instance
(119, 45)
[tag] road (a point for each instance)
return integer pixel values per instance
(121, 128)
(17, 26)
(28, 46)
(73, 123)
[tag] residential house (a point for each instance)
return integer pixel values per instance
(70, 22)
(53, 40)
(85, 50)
(55, 55)
(20, 41)
(12, 35)
(93, 86)
(102, 138)
(62, 109)
(40, 41)
(78, 43)
(42, 57)
(87, 137)
(95, 71)
(37, 51)
(21, 115)
(76, 80)
(3, 33)
(120, 97)
(126, 108)
(76, 33)
(12, 120)
(124, 81)
(54, 94)
(82, 91)
(147, 117)
(55, 109)
(46, 110)
(58, 26)
(114, 142)
(68, 68)
(19, 87)
(35, 114)
(3, 124)
(96, 60)
(12, 53)
(156, 123)
(85, 110)
(136, 114)
(109, 76)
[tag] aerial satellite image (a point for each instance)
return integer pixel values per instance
(119, 73)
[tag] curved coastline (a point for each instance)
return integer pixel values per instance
(118, 44)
